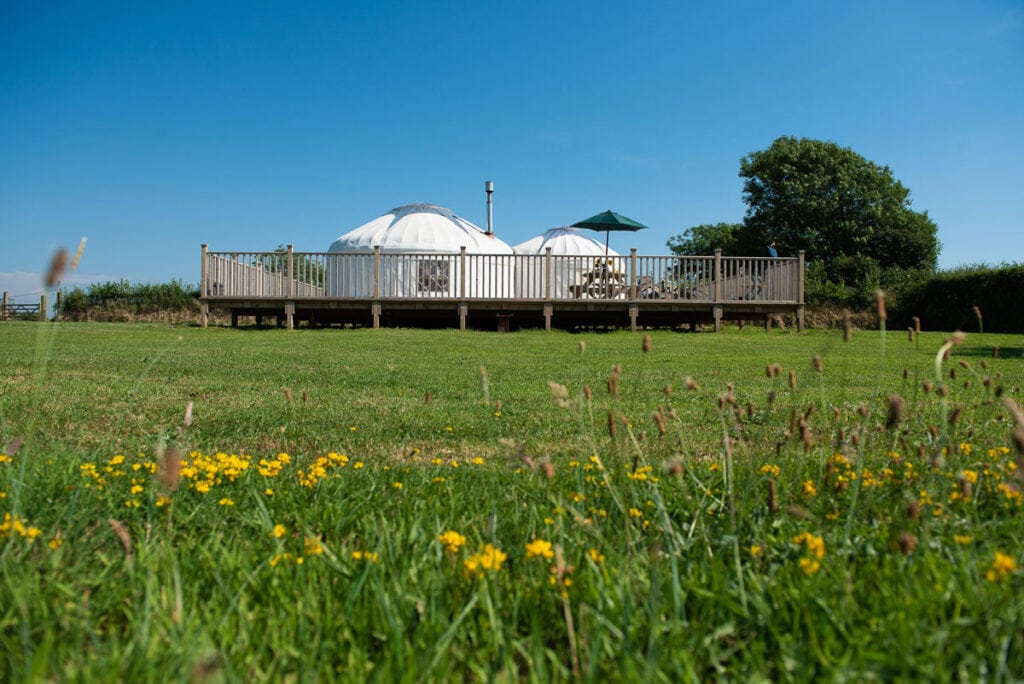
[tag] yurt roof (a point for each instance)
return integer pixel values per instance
(564, 240)
(419, 228)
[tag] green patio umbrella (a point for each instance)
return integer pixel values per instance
(609, 221)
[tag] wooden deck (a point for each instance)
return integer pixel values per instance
(493, 292)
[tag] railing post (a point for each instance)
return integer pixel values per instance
(632, 273)
(547, 273)
(291, 272)
(462, 272)
(800, 291)
(376, 272)
(463, 307)
(204, 285)
(717, 311)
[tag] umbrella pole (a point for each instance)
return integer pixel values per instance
(607, 234)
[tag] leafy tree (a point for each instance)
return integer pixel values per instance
(705, 239)
(306, 270)
(831, 202)
(851, 217)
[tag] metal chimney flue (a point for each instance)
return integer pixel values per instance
(489, 187)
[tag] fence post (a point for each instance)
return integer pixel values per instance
(632, 273)
(291, 271)
(463, 307)
(60, 302)
(717, 311)
(3, 311)
(800, 291)
(462, 272)
(547, 273)
(42, 307)
(204, 274)
(376, 272)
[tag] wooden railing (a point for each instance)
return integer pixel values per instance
(462, 276)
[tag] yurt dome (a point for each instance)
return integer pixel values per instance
(575, 255)
(419, 228)
(564, 240)
(420, 246)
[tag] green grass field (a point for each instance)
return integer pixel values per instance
(436, 505)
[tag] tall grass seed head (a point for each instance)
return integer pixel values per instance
(58, 265)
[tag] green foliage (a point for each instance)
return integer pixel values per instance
(704, 239)
(122, 295)
(890, 550)
(850, 216)
(831, 202)
(304, 269)
(947, 300)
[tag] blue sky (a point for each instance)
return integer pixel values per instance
(151, 128)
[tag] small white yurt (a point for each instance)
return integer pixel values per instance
(576, 254)
(420, 247)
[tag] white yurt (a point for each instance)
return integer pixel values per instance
(420, 247)
(579, 253)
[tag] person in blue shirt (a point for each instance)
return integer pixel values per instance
(772, 252)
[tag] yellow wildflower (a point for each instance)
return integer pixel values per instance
(452, 541)
(279, 531)
(313, 546)
(487, 560)
(539, 548)
(1002, 565)
(809, 566)
(770, 469)
(815, 545)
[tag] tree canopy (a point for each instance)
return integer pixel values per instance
(850, 216)
(831, 202)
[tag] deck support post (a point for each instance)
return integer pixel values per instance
(767, 323)
(634, 312)
(375, 312)
(463, 311)
(289, 315)
(204, 314)
(717, 313)
(234, 319)
(549, 310)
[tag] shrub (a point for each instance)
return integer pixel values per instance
(125, 297)
(947, 300)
